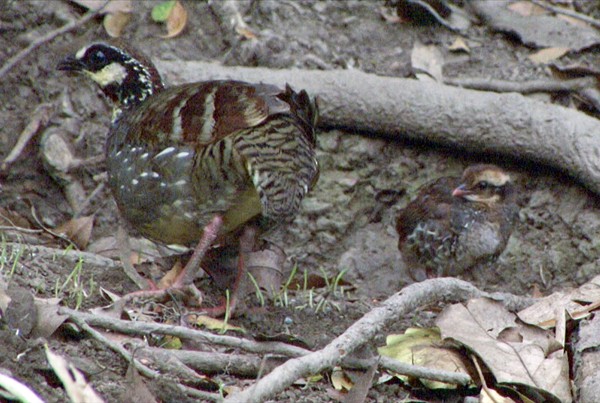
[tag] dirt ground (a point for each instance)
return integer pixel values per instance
(347, 222)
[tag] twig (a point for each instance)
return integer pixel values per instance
(362, 331)
(41, 117)
(570, 13)
(144, 370)
(116, 347)
(13, 61)
(144, 328)
(424, 372)
(484, 384)
(20, 229)
(168, 362)
(210, 362)
(525, 87)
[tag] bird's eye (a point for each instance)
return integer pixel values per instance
(482, 185)
(98, 58)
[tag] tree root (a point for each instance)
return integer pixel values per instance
(504, 125)
(300, 362)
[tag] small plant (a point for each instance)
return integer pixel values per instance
(227, 311)
(257, 290)
(12, 259)
(74, 286)
(309, 297)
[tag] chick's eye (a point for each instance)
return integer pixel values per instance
(98, 58)
(482, 185)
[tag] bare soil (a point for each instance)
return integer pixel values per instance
(347, 221)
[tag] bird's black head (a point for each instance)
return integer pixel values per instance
(125, 76)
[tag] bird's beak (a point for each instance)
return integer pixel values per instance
(461, 191)
(70, 64)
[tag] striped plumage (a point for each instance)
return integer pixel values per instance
(215, 162)
(178, 156)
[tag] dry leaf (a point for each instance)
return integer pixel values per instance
(11, 219)
(4, 297)
(422, 347)
(78, 230)
(526, 8)
(573, 20)
(216, 324)
(48, 318)
(389, 16)
(427, 59)
(117, 13)
(340, 380)
(168, 279)
(459, 45)
(177, 21)
(546, 55)
(21, 313)
(57, 153)
(491, 396)
(245, 32)
(114, 23)
(113, 6)
(535, 362)
(72, 379)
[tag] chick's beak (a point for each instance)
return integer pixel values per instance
(461, 191)
(70, 64)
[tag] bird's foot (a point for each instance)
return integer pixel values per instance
(184, 282)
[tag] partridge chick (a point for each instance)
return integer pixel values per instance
(190, 163)
(455, 223)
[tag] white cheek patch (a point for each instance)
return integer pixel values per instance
(81, 52)
(113, 73)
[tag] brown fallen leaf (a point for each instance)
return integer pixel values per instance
(137, 390)
(39, 119)
(340, 380)
(216, 324)
(12, 219)
(245, 32)
(117, 13)
(526, 8)
(168, 279)
(48, 318)
(78, 230)
(21, 313)
(459, 45)
(547, 55)
(491, 396)
(389, 15)
(176, 21)
(427, 62)
(572, 20)
(111, 7)
(76, 386)
(114, 23)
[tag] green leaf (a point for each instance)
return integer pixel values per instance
(161, 11)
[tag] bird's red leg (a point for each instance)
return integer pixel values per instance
(186, 278)
(247, 241)
(190, 271)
